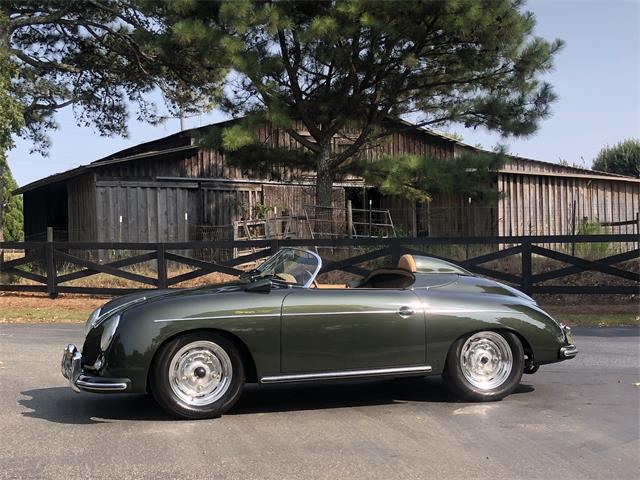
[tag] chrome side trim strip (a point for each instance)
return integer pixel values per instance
(218, 317)
(253, 315)
(313, 314)
(374, 372)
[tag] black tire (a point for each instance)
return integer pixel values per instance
(462, 386)
(165, 391)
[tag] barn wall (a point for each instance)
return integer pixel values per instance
(544, 205)
(82, 208)
(447, 215)
(146, 212)
(153, 208)
(209, 163)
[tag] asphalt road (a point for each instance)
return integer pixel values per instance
(577, 419)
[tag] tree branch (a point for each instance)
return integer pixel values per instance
(48, 65)
(295, 89)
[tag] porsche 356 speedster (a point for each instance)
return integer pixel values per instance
(194, 349)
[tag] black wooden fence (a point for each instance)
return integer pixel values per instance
(51, 253)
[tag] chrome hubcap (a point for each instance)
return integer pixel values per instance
(486, 360)
(200, 373)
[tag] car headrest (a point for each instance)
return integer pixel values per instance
(407, 262)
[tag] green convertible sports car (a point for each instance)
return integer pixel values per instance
(194, 349)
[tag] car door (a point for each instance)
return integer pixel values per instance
(326, 330)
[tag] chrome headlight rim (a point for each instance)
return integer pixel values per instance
(97, 318)
(92, 321)
(109, 328)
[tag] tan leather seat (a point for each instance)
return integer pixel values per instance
(328, 285)
(407, 262)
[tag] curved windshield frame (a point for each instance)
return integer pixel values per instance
(295, 263)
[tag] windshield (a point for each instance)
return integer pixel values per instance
(293, 266)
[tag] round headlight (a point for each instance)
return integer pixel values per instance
(92, 320)
(108, 331)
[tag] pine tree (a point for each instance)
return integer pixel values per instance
(350, 65)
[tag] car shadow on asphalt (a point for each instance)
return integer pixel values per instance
(61, 405)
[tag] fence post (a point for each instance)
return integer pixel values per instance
(526, 267)
(162, 267)
(395, 251)
(275, 246)
(349, 219)
(49, 253)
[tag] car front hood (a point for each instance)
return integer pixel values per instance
(150, 295)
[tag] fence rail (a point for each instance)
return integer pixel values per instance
(52, 281)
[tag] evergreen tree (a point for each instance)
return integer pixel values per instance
(623, 158)
(12, 212)
(350, 65)
(98, 56)
(470, 174)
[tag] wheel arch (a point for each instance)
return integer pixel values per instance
(526, 346)
(251, 374)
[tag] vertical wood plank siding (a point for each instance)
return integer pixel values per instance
(81, 201)
(153, 210)
(543, 205)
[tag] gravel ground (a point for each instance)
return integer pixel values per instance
(573, 420)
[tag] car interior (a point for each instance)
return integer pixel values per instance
(390, 277)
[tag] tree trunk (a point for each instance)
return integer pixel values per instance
(324, 189)
(324, 179)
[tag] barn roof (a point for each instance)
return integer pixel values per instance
(183, 141)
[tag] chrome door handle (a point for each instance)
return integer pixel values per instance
(405, 312)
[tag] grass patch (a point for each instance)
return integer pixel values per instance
(42, 315)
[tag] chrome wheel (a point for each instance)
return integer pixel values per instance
(200, 373)
(486, 360)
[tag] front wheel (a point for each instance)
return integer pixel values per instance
(197, 375)
(485, 366)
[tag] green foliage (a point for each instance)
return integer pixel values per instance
(470, 174)
(10, 108)
(623, 158)
(236, 137)
(98, 57)
(593, 251)
(12, 211)
(333, 66)
(350, 65)
(261, 211)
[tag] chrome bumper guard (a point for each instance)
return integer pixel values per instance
(71, 367)
(568, 351)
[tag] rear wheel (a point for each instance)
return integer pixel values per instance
(198, 375)
(485, 366)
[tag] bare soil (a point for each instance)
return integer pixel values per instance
(70, 302)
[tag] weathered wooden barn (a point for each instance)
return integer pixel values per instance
(171, 189)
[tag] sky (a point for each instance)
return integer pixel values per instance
(596, 78)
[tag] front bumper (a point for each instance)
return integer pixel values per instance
(568, 351)
(71, 367)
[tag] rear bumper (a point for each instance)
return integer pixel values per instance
(71, 367)
(568, 351)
